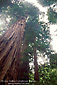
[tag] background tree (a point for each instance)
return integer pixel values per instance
(48, 73)
(37, 37)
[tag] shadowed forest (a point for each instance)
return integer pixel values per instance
(25, 41)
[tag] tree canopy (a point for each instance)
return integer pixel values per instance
(52, 12)
(47, 2)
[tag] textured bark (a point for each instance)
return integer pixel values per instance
(36, 75)
(10, 52)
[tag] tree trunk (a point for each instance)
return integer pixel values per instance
(11, 68)
(36, 74)
(24, 64)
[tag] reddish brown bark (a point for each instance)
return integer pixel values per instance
(11, 68)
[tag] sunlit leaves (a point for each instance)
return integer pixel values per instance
(48, 75)
(31, 77)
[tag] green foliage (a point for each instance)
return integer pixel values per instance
(43, 37)
(52, 16)
(26, 53)
(16, 10)
(32, 81)
(48, 73)
(47, 2)
(4, 3)
(12, 12)
(31, 77)
(53, 60)
(31, 10)
(37, 33)
(48, 76)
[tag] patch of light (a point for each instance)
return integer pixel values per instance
(31, 1)
(43, 60)
(46, 57)
(54, 44)
(1, 22)
(43, 18)
(42, 9)
(7, 19)
(53, 28)
(31, 65)
(35, 3)
(53, 32)
(40, 61)
(13, 1)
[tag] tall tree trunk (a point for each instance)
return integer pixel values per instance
(11, 68)
(36, 74)
(24, 64)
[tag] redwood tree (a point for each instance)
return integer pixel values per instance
(20, 40)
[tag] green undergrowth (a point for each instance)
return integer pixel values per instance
(47, 76)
